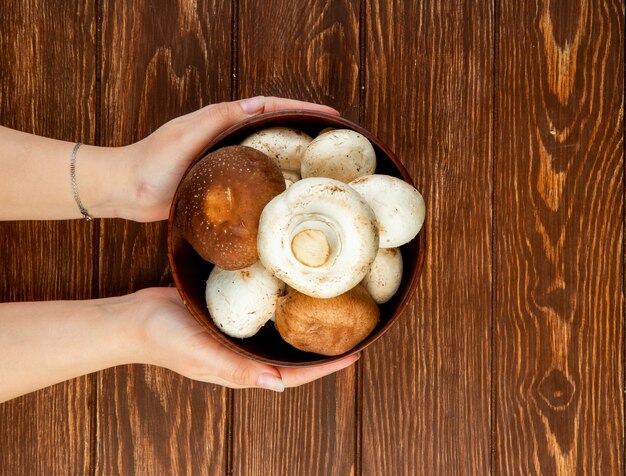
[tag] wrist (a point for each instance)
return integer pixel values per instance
(104, 180)
(138, 332)
(126, 319)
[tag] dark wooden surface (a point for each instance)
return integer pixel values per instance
(48, 87)
(558, 309)
(509, 116)
(426, 389)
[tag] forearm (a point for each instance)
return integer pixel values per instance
(43, 343)
(36, 178)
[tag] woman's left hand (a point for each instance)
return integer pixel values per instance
(159, 161)
(165, 334)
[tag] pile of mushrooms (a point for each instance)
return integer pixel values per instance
(327, 239)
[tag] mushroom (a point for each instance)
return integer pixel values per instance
(291, 177)
(220, 202)
(399, 208)
(325, 130)
(283, 145)
(319, 236)
(326, 326)
(383, 279)
(340, 154)
(242, 301)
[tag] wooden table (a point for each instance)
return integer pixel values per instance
(509, 116)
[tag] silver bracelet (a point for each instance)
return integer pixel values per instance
(83, 210)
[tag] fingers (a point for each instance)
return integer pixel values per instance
(208, 122)
(292, 377)
(203, 125)
(223, 366)
(278, 104)
(240, 372)
(212, 120)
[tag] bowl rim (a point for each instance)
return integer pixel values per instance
(259, 120)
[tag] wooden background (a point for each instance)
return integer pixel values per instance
(509, 116)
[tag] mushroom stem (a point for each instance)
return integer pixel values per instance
(311, 248)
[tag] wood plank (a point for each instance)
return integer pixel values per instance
(428, 94)
(309, 53)
(559, 209)
(159, 60)
(47, 87)
(303, 52)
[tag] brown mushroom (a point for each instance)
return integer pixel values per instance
(221, 200)
(326, 326)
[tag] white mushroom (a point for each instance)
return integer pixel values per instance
(340, 154)
(399, 208)
(384, 277)
(319, 236)
(242, 301)
(283, 145)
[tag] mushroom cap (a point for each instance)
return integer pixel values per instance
(340, 154)
(399, 208)
(385, 275)
(319, 236)
(326, 326)
(242, 301)
(283, 145)
(220, 202)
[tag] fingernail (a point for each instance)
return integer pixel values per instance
(252, 105)
(271, 382)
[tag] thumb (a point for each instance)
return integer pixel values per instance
(236, 371)
(247, 376)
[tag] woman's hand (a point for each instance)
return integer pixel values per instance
(47, 342)
(170, 337)
(159, 161)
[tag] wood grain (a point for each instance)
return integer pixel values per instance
(309, 53)
(47, 87)
(159, 60)
(559, 211)
(428, 94)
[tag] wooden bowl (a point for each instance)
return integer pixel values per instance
(191, 272)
